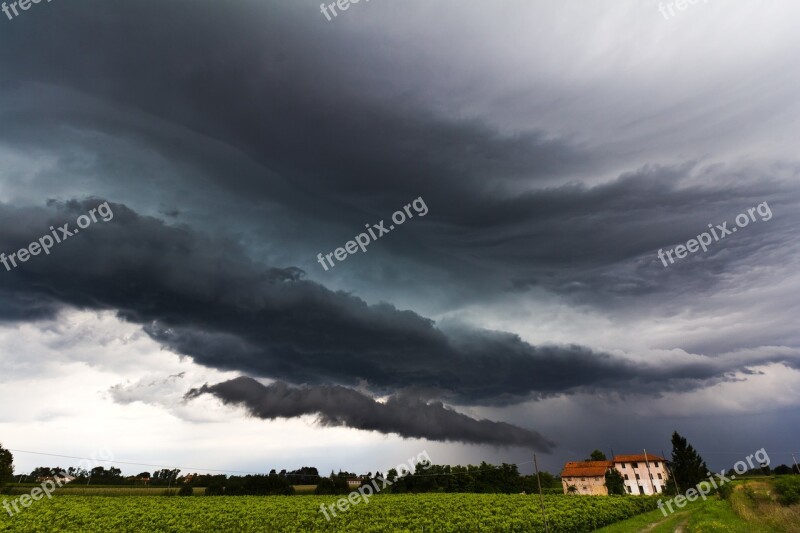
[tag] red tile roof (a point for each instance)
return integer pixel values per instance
(636, 458)
(586, 468)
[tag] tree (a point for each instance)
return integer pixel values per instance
(215, 488)
(572, 489)
(335, 484)
(782, 470)
(597, 455)
(45, 471)
(688, 467)
(165, 476)
(308, 475)
(614, 482)
(6, 465)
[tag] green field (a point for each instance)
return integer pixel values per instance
(83, 490)
(751, 508)
(401, 512)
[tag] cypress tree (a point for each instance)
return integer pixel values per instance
(687, 466)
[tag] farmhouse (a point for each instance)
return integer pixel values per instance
(587, 477)
(66, 478)
(642, 474)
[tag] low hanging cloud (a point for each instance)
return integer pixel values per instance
(207, 299)
(336, 406)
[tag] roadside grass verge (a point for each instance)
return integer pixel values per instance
(752, 507)
(718, 515)
(653, 521)
(757, 503)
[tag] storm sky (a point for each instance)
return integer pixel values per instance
(556, 147)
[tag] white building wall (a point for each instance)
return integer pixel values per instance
(643, 484)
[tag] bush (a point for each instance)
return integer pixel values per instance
(332, 485)
(186, 490)
(788, 489)
(215, 489)
(725, 491)
(271, 485)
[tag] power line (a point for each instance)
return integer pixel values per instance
(187, 468)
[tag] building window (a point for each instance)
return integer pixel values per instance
(583, 479)
(659, 476)
(626, 477)
(637, 476)
(655, 464)
(635, 465)
(641, 489)
(629, 490)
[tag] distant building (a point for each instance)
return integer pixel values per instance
(587, 477)
(66, 478)
(641, 474)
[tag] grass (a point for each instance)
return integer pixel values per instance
(304, 489)
(751, 508)
(756, 502)
(718, 515)
(653, 521)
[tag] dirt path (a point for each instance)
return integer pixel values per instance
(680, 528)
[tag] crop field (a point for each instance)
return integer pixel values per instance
(402, 512)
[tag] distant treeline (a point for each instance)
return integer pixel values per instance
(102, 476)
(483, 478)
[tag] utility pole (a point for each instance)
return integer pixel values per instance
(795, 464)
(541, 498)
(669, 470)
(169, 486)
(647, 463)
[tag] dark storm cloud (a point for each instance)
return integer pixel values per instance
(205, 298)
(303, 107)
(343, 135)
(340, 406)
